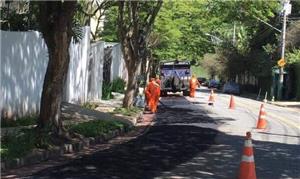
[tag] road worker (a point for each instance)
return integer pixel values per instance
(193, 85)
(148, 92)
(157, 79)
(152, 93)
(157, 93)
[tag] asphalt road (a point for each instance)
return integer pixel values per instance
(190, 139)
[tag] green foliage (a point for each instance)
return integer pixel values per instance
(19, 16)
(292, 36)
(118, 85)
(212, 63)
(293, 56)
(181, 27)
(23, 121)
(127, 111)
(14, 146)
(106, 91)
(199, 71)
(98, 127)
(109, 33)
(90, 105)
(297, 70)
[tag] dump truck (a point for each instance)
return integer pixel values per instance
(175, 76)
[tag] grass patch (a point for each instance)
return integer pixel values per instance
(23, 121)
(98, 127)
(127, 112)
(88, 105)
(18, 145)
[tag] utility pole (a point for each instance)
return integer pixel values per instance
(286, 11)
(233, 37)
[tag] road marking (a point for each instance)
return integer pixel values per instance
(290, 123)
(285, 120)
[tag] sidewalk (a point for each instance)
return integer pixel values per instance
(291, 104)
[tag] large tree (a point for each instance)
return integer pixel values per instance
(135, 20)
(55, 21)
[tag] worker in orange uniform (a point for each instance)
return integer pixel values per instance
(157, 93)
(148, 92)
(193, 85)
(157, 79)
(152, 93)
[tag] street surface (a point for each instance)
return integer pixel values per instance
(190, 139)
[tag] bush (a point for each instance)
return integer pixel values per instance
(98, 127)
(118, 85)
(106, 91)
(14, 146)
(23, 121)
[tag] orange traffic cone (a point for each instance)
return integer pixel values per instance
(211, 98)
(247, 165)
(231, 104)
(262, 123)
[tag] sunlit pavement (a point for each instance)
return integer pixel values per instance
(283, 124)
(190, 139)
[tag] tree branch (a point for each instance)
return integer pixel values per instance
(152, 17)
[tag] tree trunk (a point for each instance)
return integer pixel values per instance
(57, 32)
(133, 37)
(133, 67)
(53, 84)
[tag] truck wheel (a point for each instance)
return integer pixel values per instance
(186, 93)
(163, 93)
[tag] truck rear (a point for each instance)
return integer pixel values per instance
(175, 77)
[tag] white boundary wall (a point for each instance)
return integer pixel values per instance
(96, 60)
(24, 59)
(118, 66)
(77, 79)
(23, 64)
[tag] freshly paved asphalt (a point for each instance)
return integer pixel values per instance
(184, 142)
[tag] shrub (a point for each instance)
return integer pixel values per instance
(14, 146)
(118, 85)
(98, 127)
(106, 91)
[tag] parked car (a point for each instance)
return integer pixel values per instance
(205, 83)
(201, 80)
(231, 88)
(213, 84)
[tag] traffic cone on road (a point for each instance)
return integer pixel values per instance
(247, 165)
(262, 123)
(211, 98)
(232, 103)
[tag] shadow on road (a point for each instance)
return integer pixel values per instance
(173, 148)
